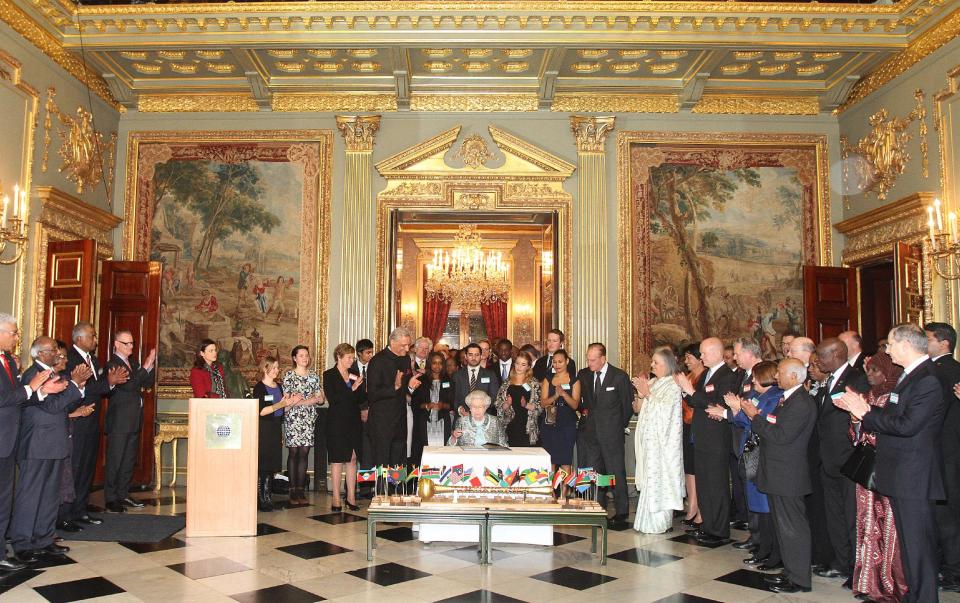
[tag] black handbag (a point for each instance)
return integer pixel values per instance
(751, 456)
(860, 466)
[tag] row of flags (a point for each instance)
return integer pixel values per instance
(581, 479)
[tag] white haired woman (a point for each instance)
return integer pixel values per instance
(658, 442)
(478, 427)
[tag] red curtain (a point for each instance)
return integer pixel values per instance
(435, 313)
(495, 319)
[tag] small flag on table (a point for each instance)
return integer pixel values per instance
(430, 473)
(415, 472)
(367, 475)
(511, 477)
(571, 479)
(456, 474)
(445, 476)
(493, 478)
(558, 478)
(605, 481)
(397, 474)
(475, 481)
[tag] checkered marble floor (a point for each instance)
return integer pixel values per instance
(310, 554)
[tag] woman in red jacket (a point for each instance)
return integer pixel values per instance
(206, 376)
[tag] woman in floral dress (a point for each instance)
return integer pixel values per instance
(299, 420)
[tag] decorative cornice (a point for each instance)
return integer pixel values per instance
(591, 132)
(358, 131)
(329, 103)
(929, 41)
(616, 103)
(404, 159)
(33, 32)
(874, 233)
(485, 103)
(82, 218)
(196, 103)
(740, 104)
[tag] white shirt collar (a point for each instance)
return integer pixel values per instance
(940, 356)
(853, 359)
(362, 365)
(44, 366)
(712, 369)
(915, 364)
(603, 370)
(84, 355)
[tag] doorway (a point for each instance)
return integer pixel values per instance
(524, 244)
(877, 302)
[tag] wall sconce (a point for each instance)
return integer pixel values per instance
(943, 246)
(523, 321)
(13, 225)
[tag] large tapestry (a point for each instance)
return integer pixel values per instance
(238, 222)
(718, 234)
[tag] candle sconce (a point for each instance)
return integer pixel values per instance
(13, 226)
(943, 247)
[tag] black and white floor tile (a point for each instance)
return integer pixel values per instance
(308, 553)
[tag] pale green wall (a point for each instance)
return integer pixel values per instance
(930, 75)
(40, 73)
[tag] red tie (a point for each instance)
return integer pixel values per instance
(6, 367)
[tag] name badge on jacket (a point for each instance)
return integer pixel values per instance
(747, 388)
(709, 389)
(268, 398)
(894, 398)
(444, 384)
(610, 388)
(484, 379)
(565, 386)
(526, 386)
(772, 419)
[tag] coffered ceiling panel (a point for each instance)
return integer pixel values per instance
(323, 62)
(784, 65)
(630, 63)
(167, 64)
(479, 61)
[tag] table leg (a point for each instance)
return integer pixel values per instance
(593, 539)
(157, 445)
(486, 542)
(173, 481)
(603, 558)
(371, 537)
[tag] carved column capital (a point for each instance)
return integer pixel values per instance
(591, 132)
(358, 131)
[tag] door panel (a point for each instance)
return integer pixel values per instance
(830, 301)
(70, 286)
(130, 301)
(908, 283)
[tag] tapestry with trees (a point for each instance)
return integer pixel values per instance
(720, 235)
(238, 228)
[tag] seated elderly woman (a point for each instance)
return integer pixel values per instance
(478, 428)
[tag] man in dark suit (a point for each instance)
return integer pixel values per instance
(746, 355)
(543, 367)
(14, 393)
(907, 468)
(854, 343)
(390, 376)
(941, 341)
(473, 377)
(833, 425)
(124, 421)
(783, 474)
(42, 448)
(606, 397)
(712, 441)
(86, 429)
(365, 352)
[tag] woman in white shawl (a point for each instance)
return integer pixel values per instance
(658, 441)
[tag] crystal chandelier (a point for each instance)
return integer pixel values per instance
(467, 277)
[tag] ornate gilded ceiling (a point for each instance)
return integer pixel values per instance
(513, 55)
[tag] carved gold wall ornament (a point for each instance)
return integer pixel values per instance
(735, 104)
(196, 103)
(326, 103)
(358, 131)
(82, 148)
(884, 150)
(474, 151)
(472, 201)
(474, 102)
(591, 132)
(616, 103)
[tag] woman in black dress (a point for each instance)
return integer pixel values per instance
(431, 404)
(518, 403)
(560, 398)
(343, 390)
(270, 453)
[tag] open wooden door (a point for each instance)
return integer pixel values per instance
(908, 283)
(69, 287)
(130, 301)
(829, 301)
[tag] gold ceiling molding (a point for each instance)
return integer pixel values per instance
(196, 103)
(874, 233)
(327, 103)
(616, 103)
(485, 103)
(925, 44)
(738, 104)
(26, 26)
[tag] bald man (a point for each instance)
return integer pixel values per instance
(801, 348)
(712, 441)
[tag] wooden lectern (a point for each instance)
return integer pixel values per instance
(222, 467)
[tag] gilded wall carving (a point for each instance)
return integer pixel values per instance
(873, 234)
(87, 158)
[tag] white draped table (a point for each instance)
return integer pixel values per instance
(515, 458)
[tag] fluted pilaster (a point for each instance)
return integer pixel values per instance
(590, 283)
(359, 212)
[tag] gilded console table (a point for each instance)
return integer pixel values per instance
(170, 428)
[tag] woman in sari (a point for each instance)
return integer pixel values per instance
(878, 571)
